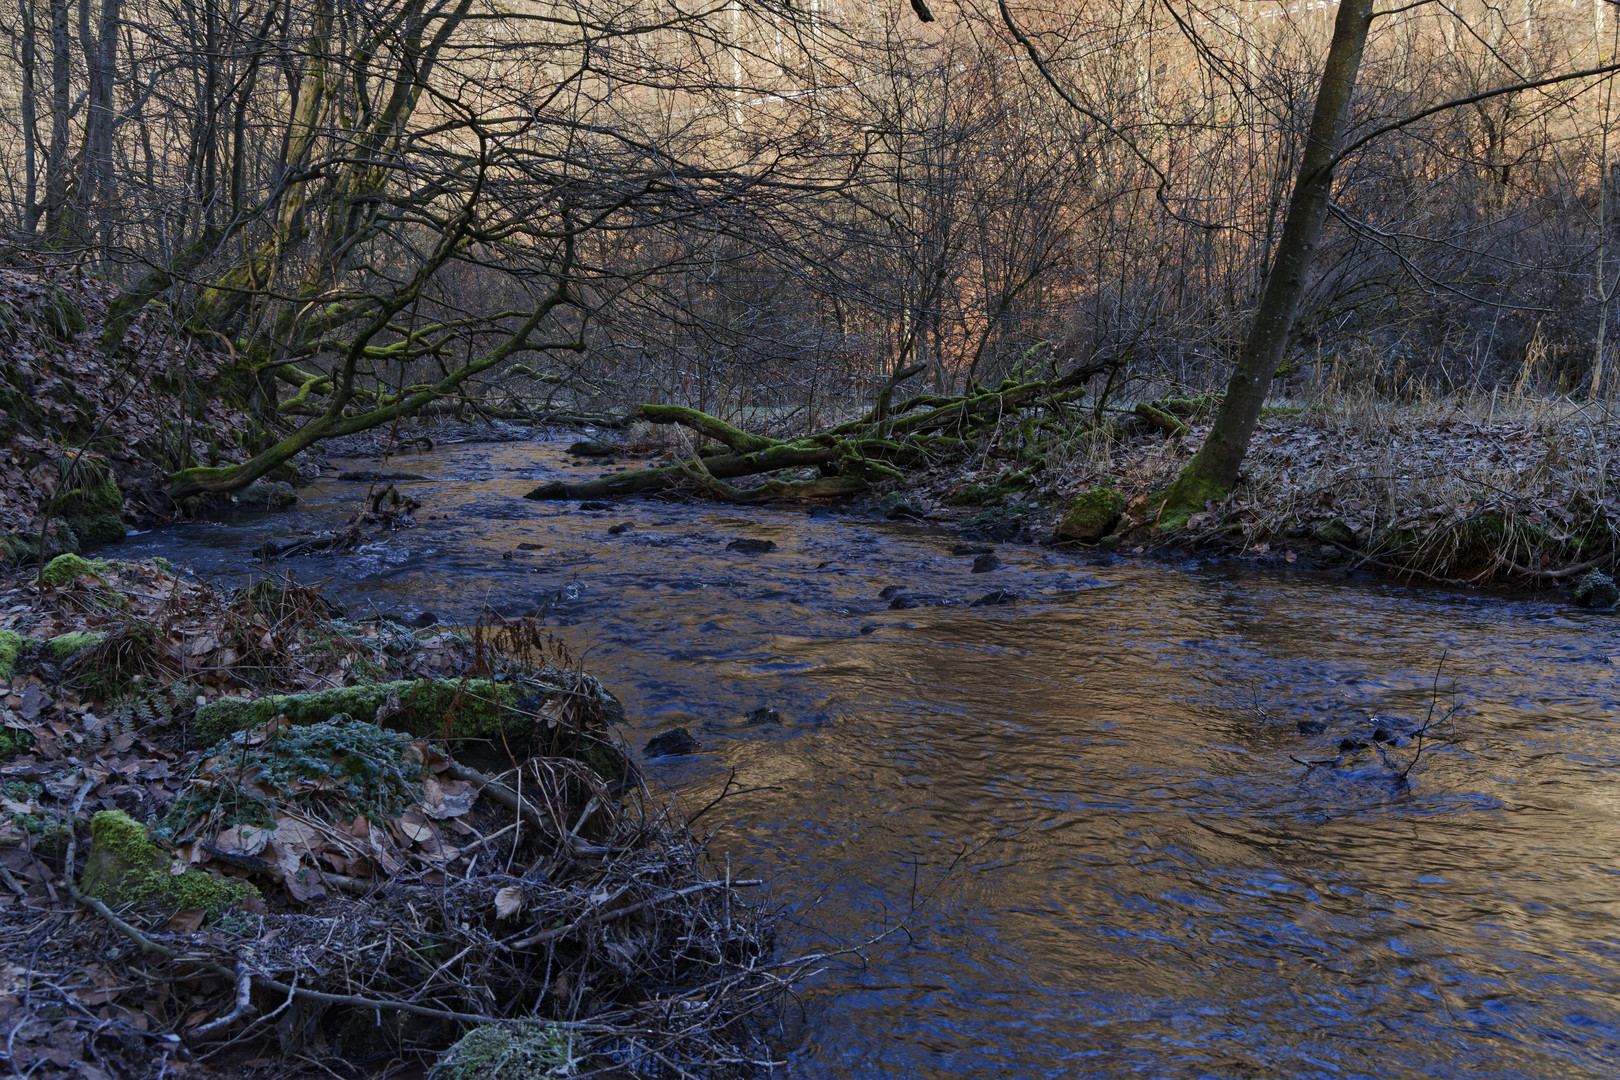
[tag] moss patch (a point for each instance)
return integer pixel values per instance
(64, 647)
(66, 569)
(510, 1052)
(11, 646)
(1092, 516)
(126, 869)
(91, 508)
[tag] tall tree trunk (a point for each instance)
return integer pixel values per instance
(56, 155)
(1214, 469)
(30, 118)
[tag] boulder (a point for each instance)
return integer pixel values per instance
(1092, 516)
(126, 868)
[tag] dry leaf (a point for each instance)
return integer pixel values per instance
(508, 902)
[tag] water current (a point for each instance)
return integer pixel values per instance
(1088, 811)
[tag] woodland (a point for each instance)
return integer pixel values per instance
(1306, 281)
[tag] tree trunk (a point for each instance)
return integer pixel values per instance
(1214, 469)
(56, 155)
(30, 117)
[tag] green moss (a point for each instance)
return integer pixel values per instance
(61, 314)
(1191, 492)
(510, 1052)
(65, 569)
(1092, 515)
(126, 869)
(14, 741)
(11, 645)
(994, 492)
(1336, 531)
(64, 647)
(91, 508)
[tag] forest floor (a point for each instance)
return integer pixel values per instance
(1505, 491)
(243, 835)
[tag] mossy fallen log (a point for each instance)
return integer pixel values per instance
(925, 430)
(509, 716)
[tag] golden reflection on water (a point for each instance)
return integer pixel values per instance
(1099, 790)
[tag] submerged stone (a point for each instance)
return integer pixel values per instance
(271, 495)
(751, 547)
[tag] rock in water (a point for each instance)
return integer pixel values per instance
(377, 476)
(973, 549)
(621, 527)
(1596, 590)
(1311, 727)
(590, 448)
(266, 495)
(677, 740)
(763, 715)
(995, 599)
(750, 546)
(594, 504)
(986, 563)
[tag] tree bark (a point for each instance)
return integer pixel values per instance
(1214, 469)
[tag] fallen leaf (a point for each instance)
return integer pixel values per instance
(508, 902)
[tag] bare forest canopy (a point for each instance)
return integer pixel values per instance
(766, 209)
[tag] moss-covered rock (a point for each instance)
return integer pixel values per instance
(1337, 532)
(482, 710)
(68, 568)
(1092, 516)
(91, 506)
(1597, 590)
(63, 647)
(266, 495)
(127, 869)
(11, 646)
(995, 492)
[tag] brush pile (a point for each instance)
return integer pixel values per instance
(428, 847)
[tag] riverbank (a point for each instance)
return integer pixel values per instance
(241, 830)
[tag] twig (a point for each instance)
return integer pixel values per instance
(630, 909)
(244, 1003)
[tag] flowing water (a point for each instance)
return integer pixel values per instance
(1084, 818)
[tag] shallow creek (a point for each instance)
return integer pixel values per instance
(1085, 806)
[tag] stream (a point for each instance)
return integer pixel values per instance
(1082, 818)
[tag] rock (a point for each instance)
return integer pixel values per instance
(377, 476)
(973, 549)
(526, 546)
(749, 546)
(66, 569)
(1336, 532)
(1352, 744)
(620, 528)
(11, 645)
(763, 715)
(905, 600)
(1383, 735)
(425, 619)
(267, 495)
(677, 740)
(868, 629)
(903, 511)
(126, 868)
(1092, 516)
(595, 504)
(1596, 590)
(986, 563)
(1311, 727)
(888, 591)
(593, 448)
(995, 599)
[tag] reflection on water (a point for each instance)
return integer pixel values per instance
(1099, 789)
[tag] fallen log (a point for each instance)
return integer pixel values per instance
(925, 430)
